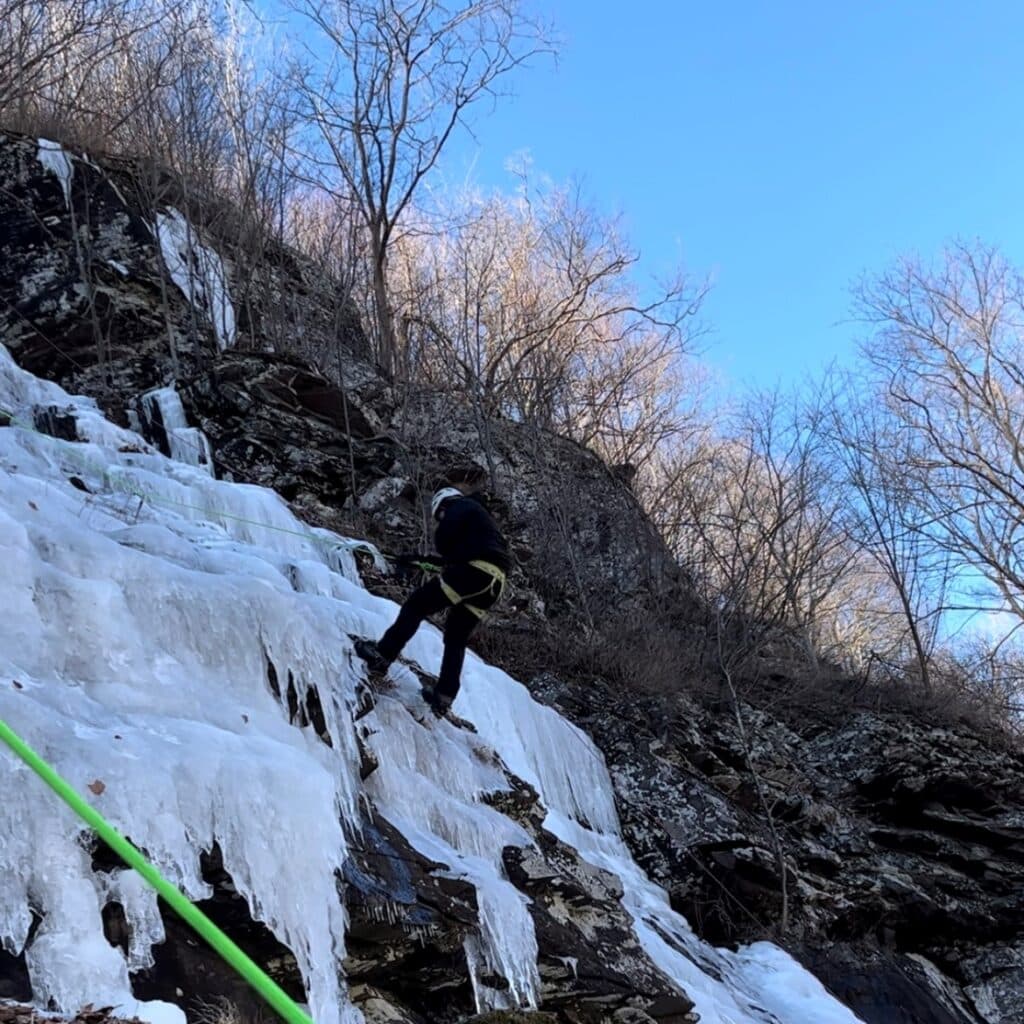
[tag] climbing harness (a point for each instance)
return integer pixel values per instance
(496, 587)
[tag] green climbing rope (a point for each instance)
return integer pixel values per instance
(192, 915)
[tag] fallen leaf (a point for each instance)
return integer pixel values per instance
(245, 718)
(116, 737)
(17, 685)
(32, 505)
(97, 786)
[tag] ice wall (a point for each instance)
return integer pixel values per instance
(134, 644)
(139, 620)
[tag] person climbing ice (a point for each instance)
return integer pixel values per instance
(475, 562)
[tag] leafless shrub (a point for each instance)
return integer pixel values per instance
(49, 53)
(528, 306)
(222, 1011)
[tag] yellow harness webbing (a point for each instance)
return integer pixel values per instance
(498, 578)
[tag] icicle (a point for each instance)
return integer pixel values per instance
(142, 914)
(198, 271)
(53, 157)
(165, 421)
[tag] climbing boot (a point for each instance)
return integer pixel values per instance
(370, 653)
(439, 703)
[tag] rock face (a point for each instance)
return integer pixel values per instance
(335, 454)
(901, 845)
(86, 300)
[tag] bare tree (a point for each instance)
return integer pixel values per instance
(948, 354)
(991, 668)
(884, 519)
(402, 76)
(259, 175)
(757, 525)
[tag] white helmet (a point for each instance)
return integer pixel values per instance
(441, 496)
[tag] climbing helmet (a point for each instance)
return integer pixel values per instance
(441, 496)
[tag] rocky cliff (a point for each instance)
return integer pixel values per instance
(901, 844)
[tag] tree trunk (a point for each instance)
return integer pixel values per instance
(386, 354)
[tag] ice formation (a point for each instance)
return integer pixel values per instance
(53, 157)
(198, 271)
(187, 444)
(139, 622)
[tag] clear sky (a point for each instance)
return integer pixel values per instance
(782, 147)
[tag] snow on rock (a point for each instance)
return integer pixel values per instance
(139, 622)
(58, 162)
(198, 271)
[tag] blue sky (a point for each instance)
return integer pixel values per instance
(781, 147)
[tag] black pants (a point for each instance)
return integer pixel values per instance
(429, 599)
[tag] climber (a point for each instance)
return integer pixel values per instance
(475, 560)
